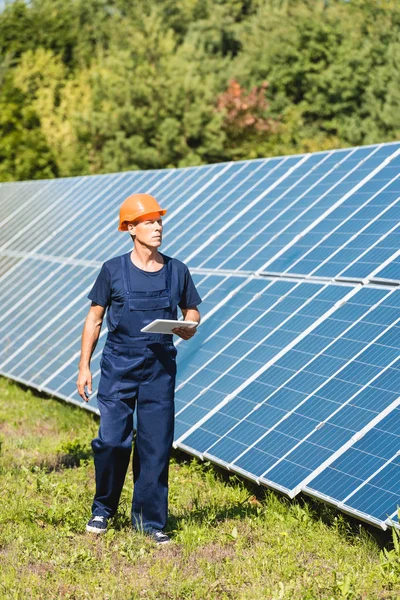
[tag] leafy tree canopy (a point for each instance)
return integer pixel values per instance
(94, 86)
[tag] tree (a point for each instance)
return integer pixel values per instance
(246, 118)
(108, 85)
(24, 153)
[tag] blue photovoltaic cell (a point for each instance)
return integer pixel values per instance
(318, 381)
(291, 381)
(225, 203)
(179, 188)
(366, 478)
(63, 296)
(43, 222)
(334, 245)
(271, 197)
(349, 170)
(7, 263)
(390, 272)
(217, 336)
(246, 351)
(281, 215)
(359, 222)
(23, 203)
(369, 264)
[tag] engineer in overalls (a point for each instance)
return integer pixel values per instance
(136, 368)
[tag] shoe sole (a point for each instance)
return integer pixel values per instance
(162, 543)
(91, 529)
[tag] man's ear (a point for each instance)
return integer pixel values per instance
(131, 228)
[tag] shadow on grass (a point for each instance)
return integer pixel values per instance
(68, 456)
(349, 527)
(208, 516)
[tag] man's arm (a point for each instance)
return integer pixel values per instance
(189, 314)
(90, 336)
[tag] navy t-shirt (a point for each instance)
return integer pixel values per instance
(108, 286)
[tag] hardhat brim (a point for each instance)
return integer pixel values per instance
(129, 218)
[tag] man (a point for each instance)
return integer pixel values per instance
(137, 369)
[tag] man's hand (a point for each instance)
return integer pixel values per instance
(189, 314)
(84, 380)
(185, 332)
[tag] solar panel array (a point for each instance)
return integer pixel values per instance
(293, 379)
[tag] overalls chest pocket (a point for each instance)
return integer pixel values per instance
(149, 300)
(145, 307)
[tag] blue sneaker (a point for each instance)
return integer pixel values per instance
(97, 524)
(158, 536)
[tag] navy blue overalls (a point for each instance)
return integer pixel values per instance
(139, 370)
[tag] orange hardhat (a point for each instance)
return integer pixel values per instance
(135, 206)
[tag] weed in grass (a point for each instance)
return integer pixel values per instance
(344, 587)
(390, 560)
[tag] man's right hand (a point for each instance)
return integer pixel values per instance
(84, 380)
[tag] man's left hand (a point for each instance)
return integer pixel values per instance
(185, 332)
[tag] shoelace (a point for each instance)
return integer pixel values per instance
(99, 518)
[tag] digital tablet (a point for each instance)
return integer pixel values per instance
(167, 325)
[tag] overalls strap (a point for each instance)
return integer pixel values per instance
(125, 273)
(168, 274)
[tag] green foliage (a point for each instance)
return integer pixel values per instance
(327, 66)
(24, 153)
(101, 86)
(390, 559)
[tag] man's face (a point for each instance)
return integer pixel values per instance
(148, 230)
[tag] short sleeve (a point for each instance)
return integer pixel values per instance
(190, 297)
(101, 291)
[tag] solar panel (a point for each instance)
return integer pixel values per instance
(293, 378)
(365, 479)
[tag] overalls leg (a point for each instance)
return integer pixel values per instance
(112, 449)
(154, 437)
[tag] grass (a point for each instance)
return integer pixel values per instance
(230, 540)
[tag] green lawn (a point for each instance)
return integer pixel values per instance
(228, 542)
